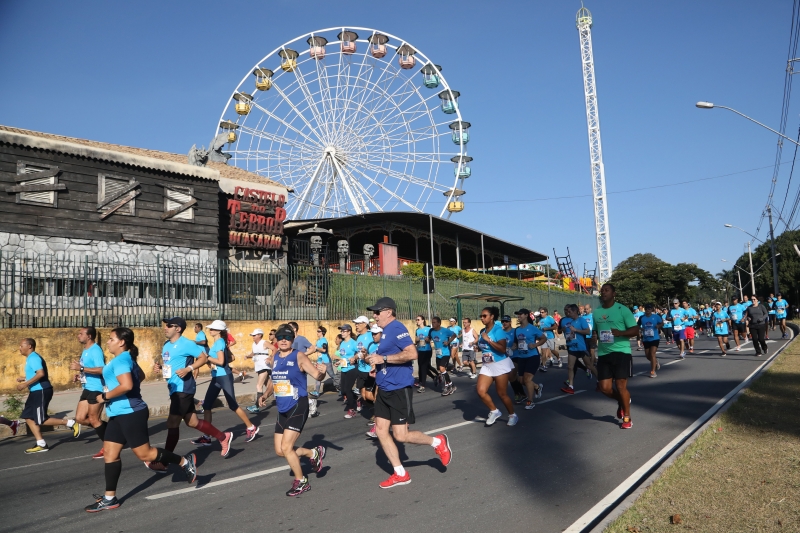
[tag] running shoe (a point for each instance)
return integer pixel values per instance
(452, 388)
(443, 450)
(682, 355)
(473, 375)
(396, 480)
(568, 390)
(101, 504)
(691, 350)
(493, 416)
(38, 449)
(315, 394)
(723, 354)
(529, 405)
(559, 363)
(421, 389)
(205, 440)
(76, 429)
(251, 434)
(100, 454)
(539, 392)
(158, 468)
(588, 375)
(446, 390)
(358, 404)
(738, 348)
(639, 349)
(512, 420)
(190, 468)
(225, 444)
(351, 413)
(14, 428)
(653, 374)
(542, 368)
(620, 413)
(316, 459)
(253, 409)
(626, 423)
(416, 384)
(658, 365)
(372, 433)
(459, 369)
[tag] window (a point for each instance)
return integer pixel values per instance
(44, 198)
(112, 189)
(175, 197)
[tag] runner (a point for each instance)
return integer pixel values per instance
(289, 369)
(745, 304)
(736, 312)
(721, 321)
(40, 392)
(614, 325)
(575, 328)
(199, 339)
(347, 359)
(324, 359)
(180, 357)
(678, 317)
(666, 326)
(455, 345)
(549, 351)
(772, 313)
(511, 351)
(709, 315)
(127, 419)
(689, 321)
(637, 312)
(441, 339)
(497, 366)
(650, 332)
(90, 365)
(528, 339)
(363, 343)
(393, 403)
(591, 341)
(425, 352)
(701, 319)
(781, 306)
(259, 353)
(468, 347)
(757, 316)
(371, 389)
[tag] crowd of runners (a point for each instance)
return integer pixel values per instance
(370, 366)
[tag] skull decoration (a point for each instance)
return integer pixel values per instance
(369, 250)
(343, 246)
(316, 243)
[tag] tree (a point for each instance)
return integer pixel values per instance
(788, 267)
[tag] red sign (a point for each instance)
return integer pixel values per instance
(249, 226)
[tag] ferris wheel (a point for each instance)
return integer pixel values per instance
(351, 121)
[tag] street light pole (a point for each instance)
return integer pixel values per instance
(774, 258)
(709, 105)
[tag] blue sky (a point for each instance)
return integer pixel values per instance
(158, 74)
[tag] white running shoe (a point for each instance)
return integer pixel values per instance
(473, 376)
(737, 348)
(493, 416)
(512, 420)
(560, 362)
(682, 355)
(539, 392)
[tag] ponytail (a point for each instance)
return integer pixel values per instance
(126, 336)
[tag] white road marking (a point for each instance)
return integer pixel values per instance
(560, 397)
(468, 422)
(218, 483)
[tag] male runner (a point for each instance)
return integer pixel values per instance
(614, 326)
(550, 350)
(455, 345)
(689, 321)
(781, 306)
(650, 333)
(423, 336)
(468, 338)
(637, 312)
(526, 355)
(363, 342)
(591, 341)
(745, 304)
(441, 338)
(772, 318)
(395, 356)
(90, 365)
(678, 316)
(200, 340)
(736, 312)
(511, 351)
(575, 328)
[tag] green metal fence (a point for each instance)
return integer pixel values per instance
(49, 291)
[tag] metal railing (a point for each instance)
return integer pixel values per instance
(49, 291)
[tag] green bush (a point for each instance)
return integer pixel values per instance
(414, 270)
(13, 406)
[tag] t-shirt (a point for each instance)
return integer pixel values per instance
(721, 323)
(393, 376)
(347, 349)
(525, 337)
(132, 400)
(323, 358)
(547, 322)
(456, 331)
(691, 314)
(678, 318)
(92, 357)
(301, 344)
(575, 342)
(440, 340)
(223, 369)
(496, 334)
(736, 311)
(511, 341)
(260, 355)
(201, 336)
(771, 305)
(468, 340)
(589, 320)
(615, 317)
(423, 339)
(667, 321)
(649, 326)
(363, 342)
(177, 355)
(746, 304)
(780, 308)
(637, 314)
(34, 363)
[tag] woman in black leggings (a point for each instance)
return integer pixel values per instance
(757, 316)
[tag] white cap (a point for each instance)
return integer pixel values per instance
(376, 329)
(452, 320)
(361, 320)
(218, 325)
(537, 313)
(257, 331)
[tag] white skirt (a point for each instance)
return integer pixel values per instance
(498, 368)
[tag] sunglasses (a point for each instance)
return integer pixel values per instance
(485, 316)
(170, 326)
(284, 338)
(318, 331)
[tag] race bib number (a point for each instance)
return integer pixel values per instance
(718, 327)
(83, 378)
(649, 332)
(509, 352)
(677, 327)
(422, 341)
(438, 352)
(283, 389)
(487, 357)
(606, 337)
(166, 371)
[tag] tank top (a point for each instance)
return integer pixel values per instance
(289, 381)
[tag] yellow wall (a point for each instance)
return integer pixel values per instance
(58, 346)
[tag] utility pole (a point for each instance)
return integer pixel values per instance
(741, 292)
(772, 249)
(752, 276)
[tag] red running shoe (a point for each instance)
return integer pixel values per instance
(100, 454)
(626, 423)
(226, 444)
(443, 450)
(396, 480)
(568, 390)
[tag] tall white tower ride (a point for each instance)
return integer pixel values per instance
(584, 23)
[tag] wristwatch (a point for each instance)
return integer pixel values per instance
(81, 368)
(385, 359)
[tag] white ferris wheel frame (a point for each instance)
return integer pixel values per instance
(356, 198)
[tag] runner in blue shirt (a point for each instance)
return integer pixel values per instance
(323, 358)
(90, 365)
(363, 342)
(666, 326)
(736, 312)
(425, 350)
(441, 338)
(591, 341)
(549, 350)
(678, 317)
(637, 312)
(575, 328)
(497, 366)
(393, 402)
(347, 356)
(689, 322)
(720, 324)
(511, 351)
(781, 306)
(455, 345)
(127, 419)
(650, 331)
(526, 355)
(772, 313)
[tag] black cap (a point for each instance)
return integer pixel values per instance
(505, 318)
(285, 330)
(345, 327)
(176, 321)
(649, 306)
(523, 311)
(383, 303)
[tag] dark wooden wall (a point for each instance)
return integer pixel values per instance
(77, 217)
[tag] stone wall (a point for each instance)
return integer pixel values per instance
(31, 246)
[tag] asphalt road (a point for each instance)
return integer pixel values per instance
(543, 474)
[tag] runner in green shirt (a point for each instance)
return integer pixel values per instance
(613, 326)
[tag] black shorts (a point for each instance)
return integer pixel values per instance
(90, 396)
(364, 380)
(181, 404)
(36, 405)
(651, 344)
(527, 365)
(224, 384)
(264, 370)
(442, 362)
(130, 429)
(615, 365)
(591, 343)
(395, 406)
(295, 418)
(720, 334)
(740, 327)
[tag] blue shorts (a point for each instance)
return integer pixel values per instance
(679, 335)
